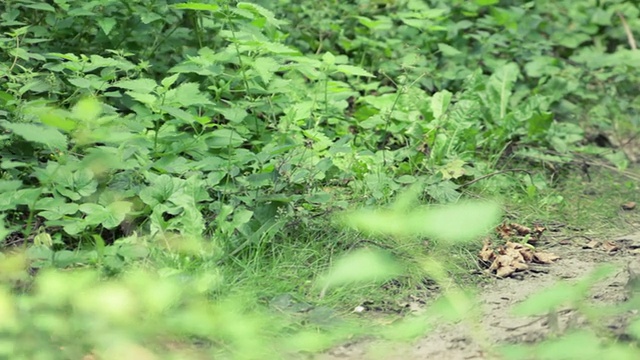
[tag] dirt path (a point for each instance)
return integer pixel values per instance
(456, 341)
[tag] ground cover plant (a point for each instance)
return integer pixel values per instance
(242, 175)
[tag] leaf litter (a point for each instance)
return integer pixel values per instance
(517, 253)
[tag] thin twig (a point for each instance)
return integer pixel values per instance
(627, 30)
(494, 174)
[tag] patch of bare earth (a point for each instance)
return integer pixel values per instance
(578, 257)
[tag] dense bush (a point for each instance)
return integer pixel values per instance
(134, 128)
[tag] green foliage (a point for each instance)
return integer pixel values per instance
(134, 131)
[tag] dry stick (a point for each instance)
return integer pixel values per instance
(494, 174)
(627, 30)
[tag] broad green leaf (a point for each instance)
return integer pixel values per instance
(55, 208)
(266, 68)
(223, 138)
(197, 7)
(448, 50)
(38, 133)
(168, 81)
(353, 70)
(159, 191)
(87, 110)
(460, 222)
(82, 83)
(142, 86)
(106, 24)
(118, 211)
(265, 13)
(188, 94)
(41, 6)
(440, 103)
(361, 266)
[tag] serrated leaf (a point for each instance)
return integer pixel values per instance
(142, 86)
(168, 81)
(45, 135)
(188, 94)
(266, 68)
(106, 24)
(197, 7)
(265, 13)
(353, 70)
(448, 50)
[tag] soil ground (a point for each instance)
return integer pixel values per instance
(578, 259)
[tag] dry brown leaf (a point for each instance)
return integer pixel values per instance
(629, 205)
(592, 244)
(545, 257)
(520, 229)
(608, 246)
(486, 253)
(504, 231)
(505, 271)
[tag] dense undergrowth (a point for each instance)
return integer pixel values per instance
(206, 147)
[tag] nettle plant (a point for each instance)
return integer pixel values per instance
(232, 140)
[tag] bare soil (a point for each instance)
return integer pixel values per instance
(457, 341)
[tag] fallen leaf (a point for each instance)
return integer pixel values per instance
(629, 205)
(545, 257)
(591, 245)
(608, 246)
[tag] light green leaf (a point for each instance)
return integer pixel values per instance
(448, 50)
(106, 24)
(440, 103)
(188, 94)
(82, 83)
(168, 81)
(87, 109)
(266, 67)
(265, 13)
(361, 266)
(159, 191)
(142, 86)
(38, 133)
(118, 211)
(223, 138)
(197, 7)
(353, 70)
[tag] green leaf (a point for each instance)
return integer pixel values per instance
(142, 86)
(41, 6)
(197, 7)
(188, 94)
(55, 208)
(448, 50)
(223, 138)
(46, 135)
(361, 266)
(259, 10)
(266, 68)
(168, 81)
(87, 110)
(159, 191)
(118, 210)
(353, 70)
(106, 24)
(440, 103)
